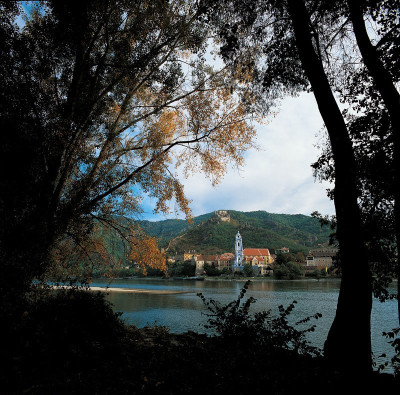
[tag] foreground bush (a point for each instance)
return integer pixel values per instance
(70, 341)
(234, 320)
(60, 337)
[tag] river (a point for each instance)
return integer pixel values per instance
(185, 311)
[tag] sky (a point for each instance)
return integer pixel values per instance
(277, 178)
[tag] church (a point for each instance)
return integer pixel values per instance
(260, 258)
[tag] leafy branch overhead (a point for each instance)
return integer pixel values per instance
(103, 101)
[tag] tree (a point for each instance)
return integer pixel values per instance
(101, 253)
(372, 118)
(248, 270)
(384, 80)
(98, 108)
(281, 259)
(182, 269)
(355, 298)
(145, 252)
(290, 270)
(211, 270)
(296, 37)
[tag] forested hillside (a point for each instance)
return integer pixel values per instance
(210, 234)
(170, 228)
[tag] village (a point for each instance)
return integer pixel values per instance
(261, 261)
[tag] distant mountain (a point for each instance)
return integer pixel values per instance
(215, 232)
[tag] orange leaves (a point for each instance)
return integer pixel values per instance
(145, 252)
(163, 129)
(83, 258)
(219, 122)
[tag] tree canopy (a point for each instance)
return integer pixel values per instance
(102, 101)
(321, 46)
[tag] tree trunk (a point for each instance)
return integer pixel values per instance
(391, 98)
(348, 345)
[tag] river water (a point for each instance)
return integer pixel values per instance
(186, 311)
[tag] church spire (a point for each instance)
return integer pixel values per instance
(238, 264)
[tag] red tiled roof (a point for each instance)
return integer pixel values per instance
(227, 255)
(206, 257)
(256, 252)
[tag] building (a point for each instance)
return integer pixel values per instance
(226, 260)
(260, 259)
(262, 253)
(238, 262)
(185, 256)
(201, 260)
(321, 258)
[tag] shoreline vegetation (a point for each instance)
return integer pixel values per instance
(71, 341)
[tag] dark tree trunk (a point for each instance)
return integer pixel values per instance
(391, 98)
(348, 345)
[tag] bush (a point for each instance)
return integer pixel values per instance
(211, 270)
(248, 270)
(226, 271)
(289, 270)
(394, 341)
(234, 321)
(62, 336)
(182, 269)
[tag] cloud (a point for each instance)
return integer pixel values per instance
(277, 178)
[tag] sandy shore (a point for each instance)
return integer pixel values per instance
(133, 290)
(138, 291)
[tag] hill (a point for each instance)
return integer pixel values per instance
(168, 229)
(215, 232)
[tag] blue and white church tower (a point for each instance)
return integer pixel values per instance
(238, 264)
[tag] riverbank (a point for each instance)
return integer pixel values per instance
(199, 364)
(137, 291)
(218, 278)
(71, 341)
(152, 361)
(128, 290)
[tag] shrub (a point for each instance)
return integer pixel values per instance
(289, 270)
(62, 336)
(211, 270)
(394, 341)
(248, 270)
(182, 269)
(234, 321)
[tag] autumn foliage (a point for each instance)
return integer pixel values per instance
(104, 103)
(145, 252)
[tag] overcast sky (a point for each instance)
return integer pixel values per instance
(278, 178)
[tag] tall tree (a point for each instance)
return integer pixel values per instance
(384, 81)
(355, 296)
(99, 101)
(286, 45)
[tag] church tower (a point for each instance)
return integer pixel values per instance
(238, 264)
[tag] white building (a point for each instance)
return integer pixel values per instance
(238, 263)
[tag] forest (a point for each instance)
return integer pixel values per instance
(259, 229)
(103, 102)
